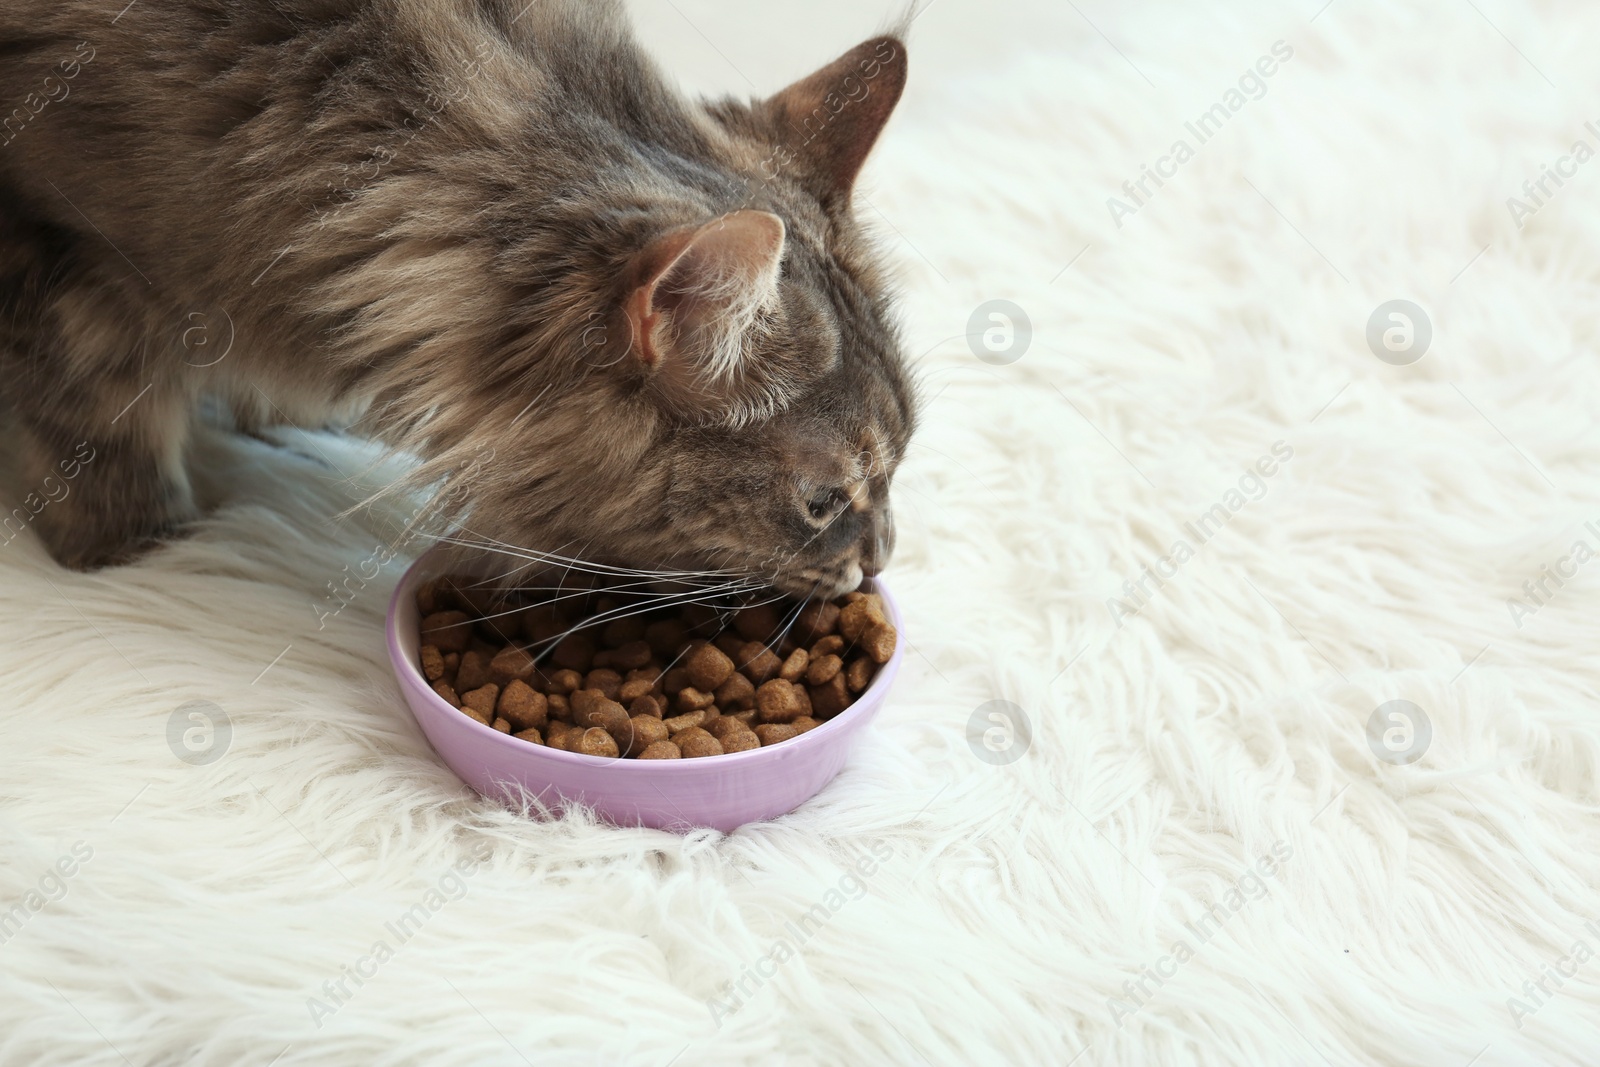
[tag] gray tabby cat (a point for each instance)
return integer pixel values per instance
(477, 229)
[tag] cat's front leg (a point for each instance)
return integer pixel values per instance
(103, 471)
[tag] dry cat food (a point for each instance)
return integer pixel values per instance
(585, 674)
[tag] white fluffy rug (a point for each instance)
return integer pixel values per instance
(1196, 855)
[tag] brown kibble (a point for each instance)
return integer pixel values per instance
(878, 641)
(666, 637)
(635, 689)
(859, 674)
(523, 706)
(448, 631)
(592, 708)
(691, 699)
(611, 717)
(596, 742)
(742, 740)
(823, 669)
(428, 602)
(432, 663)
(482, 699)
(757, 623)
(543, 624)
(575, 652)
(777, 702)
(832, 645)
(565, 682)
(687, 721)
(499, 627)
(684, 682)
(794, 668)
(701, 618)
(858, 615)
(650, 672)
(695, 742)
(464, 591)
(737, 693)
(830, 698)
(604, 679)
(631, 656)
(511, 664)
(645, 730)
(758, 662)
(619, 632)
(708, 667)
(772, 733)
(815, 621)
(473, 672)
(723, 725)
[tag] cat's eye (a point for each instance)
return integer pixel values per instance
(829, 504)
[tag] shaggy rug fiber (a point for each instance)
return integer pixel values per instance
(1251, 715)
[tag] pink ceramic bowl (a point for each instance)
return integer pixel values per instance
(722, 792)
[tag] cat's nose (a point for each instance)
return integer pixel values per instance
(879, 545)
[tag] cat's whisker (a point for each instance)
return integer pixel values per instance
(578, 563)
(623, 612)
(653, 601)
(794, 616)
(647, 602)
(570, 564)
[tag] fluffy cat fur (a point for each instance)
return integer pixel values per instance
(615, 323)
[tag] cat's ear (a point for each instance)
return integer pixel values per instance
(696, 294)
(828, 122)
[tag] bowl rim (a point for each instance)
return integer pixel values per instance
(859, 708)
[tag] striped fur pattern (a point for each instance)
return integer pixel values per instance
(612, 322)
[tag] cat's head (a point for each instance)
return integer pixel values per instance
(743, 401)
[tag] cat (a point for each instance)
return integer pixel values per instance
(621, 324)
